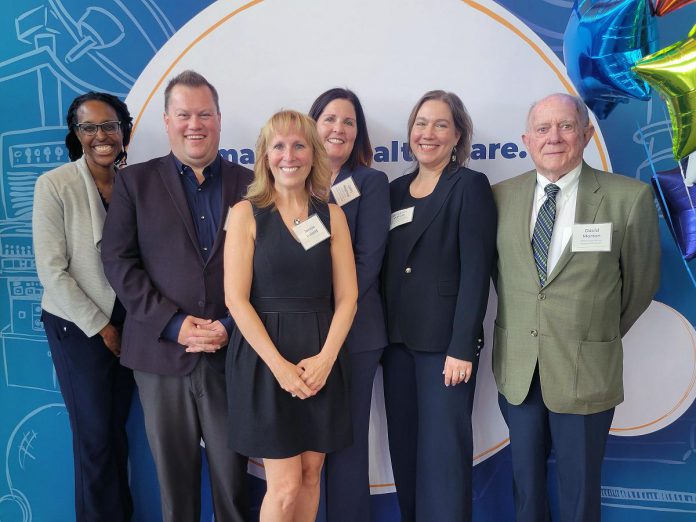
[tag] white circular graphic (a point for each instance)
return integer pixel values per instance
(263, 56)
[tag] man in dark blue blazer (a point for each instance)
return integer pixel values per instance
(162, 253)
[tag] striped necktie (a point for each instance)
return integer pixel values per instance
(543, 229)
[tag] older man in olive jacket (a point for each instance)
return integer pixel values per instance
(579, 259)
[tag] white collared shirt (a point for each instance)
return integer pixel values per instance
(565, 212)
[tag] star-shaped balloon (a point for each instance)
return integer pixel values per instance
(672, 72)
(602, 41)
(662, 7)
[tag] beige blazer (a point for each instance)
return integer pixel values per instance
(67, 224)
(573, 326)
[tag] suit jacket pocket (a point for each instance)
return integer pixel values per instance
(599, 370)
(499, 347)
(447, 287)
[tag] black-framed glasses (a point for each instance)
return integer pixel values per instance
(90, 129)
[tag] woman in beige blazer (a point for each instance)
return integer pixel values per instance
(81, 314)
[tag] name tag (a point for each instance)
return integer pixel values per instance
(592, 237)
(345, 191)
(227, 219)
(311, 232)
(401, 217)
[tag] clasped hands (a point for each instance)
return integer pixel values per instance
(202, 335)
(306, 378)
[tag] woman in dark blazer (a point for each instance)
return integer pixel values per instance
(81, 314)
(435, 282)
(363, 194)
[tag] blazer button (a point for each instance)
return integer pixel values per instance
(201, 303)
(534, 333)
(541, 297)
(408, 270)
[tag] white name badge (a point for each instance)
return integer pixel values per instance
(345, 191)
(592, 237)
(311, 232)
(401, 217)
(227, 219)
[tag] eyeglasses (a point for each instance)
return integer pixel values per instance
(90, 129)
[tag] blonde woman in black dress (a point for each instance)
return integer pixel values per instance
(291, 287)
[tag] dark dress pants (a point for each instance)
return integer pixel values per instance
(97, 392)
(578, 441)
(347, 471)
(180, 411)
(430, 436)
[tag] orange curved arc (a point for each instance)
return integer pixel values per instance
(681, 400)
(568, 86)
(184, 52)
(474, 5)
(492, 449)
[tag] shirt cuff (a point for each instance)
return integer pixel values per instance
(171, 331)
(228, 323)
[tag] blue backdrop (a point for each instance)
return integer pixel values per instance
(43, 46)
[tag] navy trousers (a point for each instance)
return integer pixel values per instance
(97, 392)
(578, 441)
(430, 436)
(347, 471)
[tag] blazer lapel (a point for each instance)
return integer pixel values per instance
(434, 203)
(172, 182)
(343, 174)
(230, 196)
(521, 211)
(588, 199)
(96, 207)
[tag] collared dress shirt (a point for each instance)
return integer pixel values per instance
(565, 212)
(205, 203)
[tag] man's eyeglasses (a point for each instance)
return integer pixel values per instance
(90, 129)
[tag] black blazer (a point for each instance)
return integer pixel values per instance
(368, 220)
(152, 260)
(442, 289)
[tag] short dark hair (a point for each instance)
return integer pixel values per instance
(460, 116)
(189, 78)
(72, 142)
(362, 150)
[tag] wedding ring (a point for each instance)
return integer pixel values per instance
(462, 374)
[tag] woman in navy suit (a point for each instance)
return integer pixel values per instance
(436, 278)
(363, 194)
(81, 314)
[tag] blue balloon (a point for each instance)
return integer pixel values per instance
(677, 208)
(603, 40)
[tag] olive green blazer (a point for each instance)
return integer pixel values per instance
(572, 327)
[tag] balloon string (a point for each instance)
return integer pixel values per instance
(686, 185)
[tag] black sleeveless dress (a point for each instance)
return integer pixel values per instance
(292, 293)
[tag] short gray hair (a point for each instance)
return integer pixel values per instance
(580, 107)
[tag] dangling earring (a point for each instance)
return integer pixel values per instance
(121, 160)
(454, 154)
